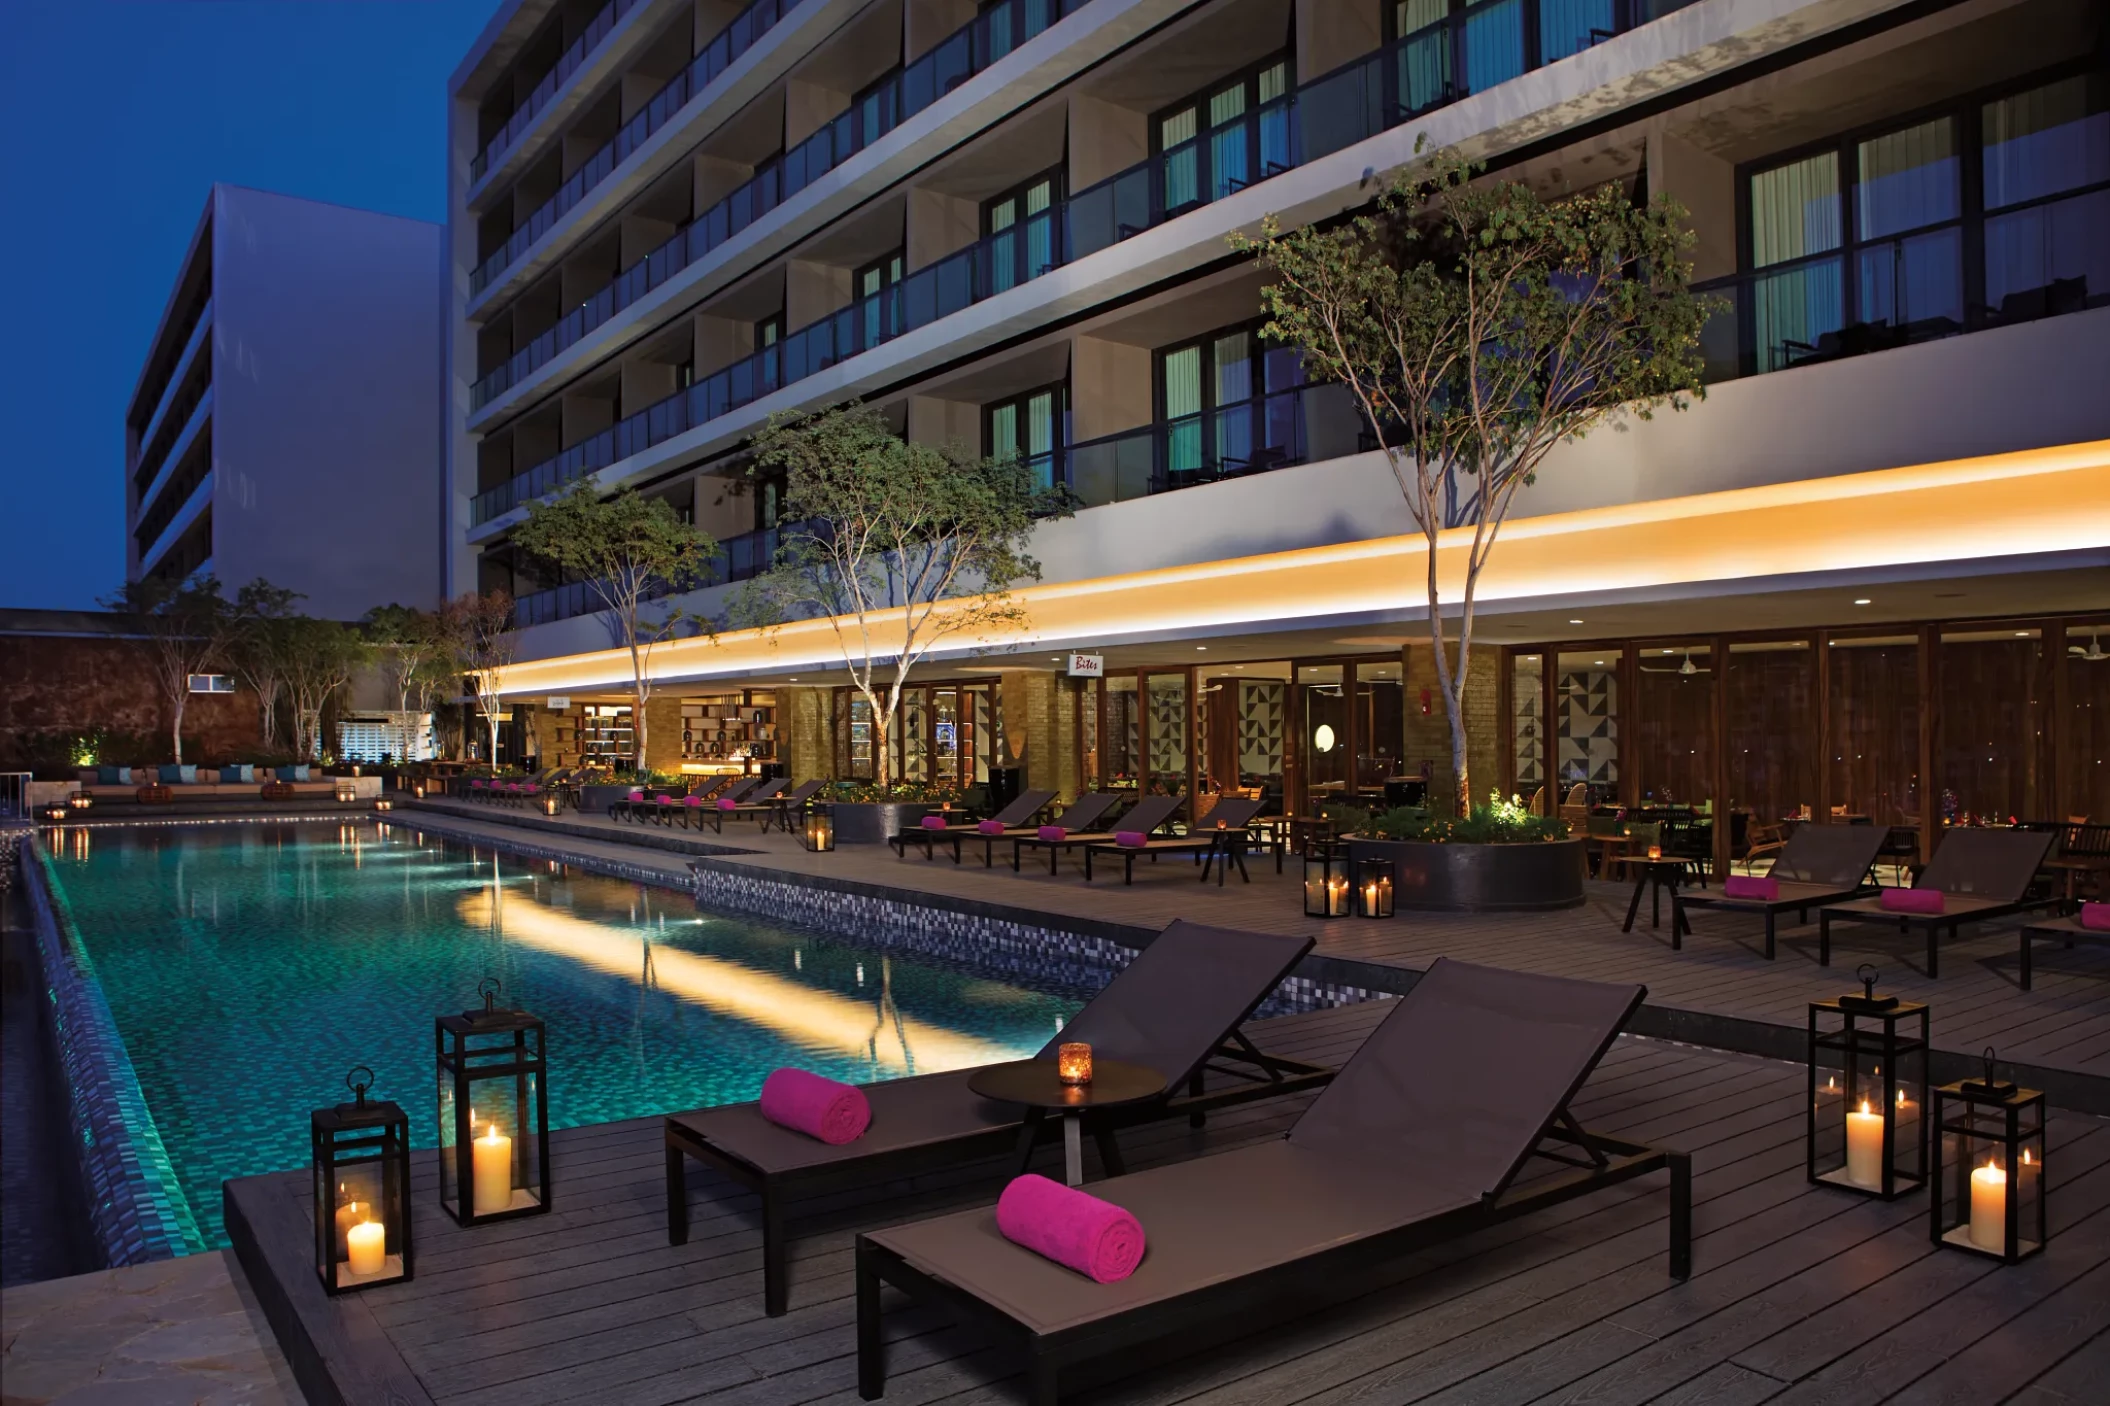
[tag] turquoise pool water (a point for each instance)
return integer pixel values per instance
(248, 967)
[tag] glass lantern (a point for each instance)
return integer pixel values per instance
(80, 800)
(817, 835)
(1865, 1128)
(347, 790)
(1326, 886)
(1373, 888)
(493, 1112)
(552, 802)
(1073, 1063)
(54, 814)
(1989, 1173)
(361, 1190)
(384, 804)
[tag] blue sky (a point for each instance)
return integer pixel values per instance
(118, 115)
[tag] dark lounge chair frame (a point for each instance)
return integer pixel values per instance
(1258, 1296)
(1798, 903)
(2067, 930)
(1219, 848)
(1934, 924)
(954, 834)
(1103, 800)
(1056, 848)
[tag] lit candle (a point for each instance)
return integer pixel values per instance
(1989, 1208)
(1337, 895)
(349, 1214)
(1864, 1146)
(1073, 1063)
(1655, 851)
(1370, 897)
(366, 1247)
(494, 1172)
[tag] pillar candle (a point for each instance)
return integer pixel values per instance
(348, 1215)
(1989, 1208)
(1864, 1146)
(367, 1247)
(494, 1172)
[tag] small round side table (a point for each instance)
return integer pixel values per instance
(1033, 1083)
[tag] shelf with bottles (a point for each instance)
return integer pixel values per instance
(606, 737)
(736, 726)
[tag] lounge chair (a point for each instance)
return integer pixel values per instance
(754, 801)
(1145, 815)
(1177, 1008)
(691, 810)
(785, 810)
(1819, 865)
(1981, 874)
(1079, 816)
(1011, 817)
(1420, 1139)
(1220, 840)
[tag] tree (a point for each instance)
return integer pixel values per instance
(414, 648)
(884, 536)
(187, 625)
(1479, 326)
(258, 647)
(320, 658)
(478, 630)
(632, 552)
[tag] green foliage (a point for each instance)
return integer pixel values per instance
(912, 792)
(188, 626)
(414, 648)
(1499, 822)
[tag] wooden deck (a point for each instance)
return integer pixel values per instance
(1719, 990)
(1800, 1294)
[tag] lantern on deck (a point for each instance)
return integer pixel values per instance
(493, 1112)
(817, 835)
(1989, 1168)
(362, 1190)
(1325, 881)
(80, 800)
(1867, 1057)
(384, 804)
(552, 802)
(1373, 888)
(55, 813)
(417, 789)
(347, 790)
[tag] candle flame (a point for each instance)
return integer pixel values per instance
(2025, 1157)
(1864, 1106)
(1901, 1098)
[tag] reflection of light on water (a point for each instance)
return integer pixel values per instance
(820, 1020)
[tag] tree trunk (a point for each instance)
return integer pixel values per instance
(637, 711)
(176, 721)
(491, 719)
(882, 755)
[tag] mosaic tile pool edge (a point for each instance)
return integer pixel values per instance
(137, 1206)
(1029, 951)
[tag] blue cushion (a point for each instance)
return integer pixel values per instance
(188, 774)
(110, 775)
(285, 773)
(170, 775)
(240, 771)
(300, 773)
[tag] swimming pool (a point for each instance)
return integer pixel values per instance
(249, 966)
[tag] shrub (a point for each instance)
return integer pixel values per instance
(1499, 822)
(913, 792)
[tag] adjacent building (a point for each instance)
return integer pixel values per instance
(287, 423)
(1868, 575)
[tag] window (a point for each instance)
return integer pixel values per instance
(1225, 138)
(1020, 226)
(211, 683)
(1228, 405)
(1030, 427)
(2046, 154)
(769, 331)
(881, 316)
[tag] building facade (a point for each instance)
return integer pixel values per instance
(1875, 554)
(287, 423)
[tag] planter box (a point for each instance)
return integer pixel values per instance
(1433, 878)
(875, 822)
(595, 799)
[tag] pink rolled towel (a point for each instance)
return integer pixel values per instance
(663, 799)
(636, 795)
(1912, 900)
(1766, 888)
(727, 804)
(990, 827)
(692, 800)
(834, 1112)
(2096, 917)
(1053, 833)
(1093, 1237)
(934, 822)
(1131, 839)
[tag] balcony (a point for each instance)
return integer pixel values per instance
(597, 29)
(717, 56)
(880, 109)
(191, 407)
(1302, 425)
(740, 558)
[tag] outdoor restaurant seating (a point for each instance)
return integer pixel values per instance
(1421, 1138)
(1011, 817)
(1219, 841)
(1143, 818)
(1175, 1008)
(1817, 865)
(1979, 873)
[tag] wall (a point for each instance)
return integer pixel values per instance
(1428, 736)
(62, 686)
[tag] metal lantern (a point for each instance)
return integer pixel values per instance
(1865, 1127)
(552, 802)
(1373, 888)
(55, 813)
(383, 804)
(818, 833)
(493, 1112)
(1989, 1172)
(1325, 881)
(347, 790)
(362, 1190)
(80, 800)
(417, 789)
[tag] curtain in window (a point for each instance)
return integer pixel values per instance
(2052, 257)
(1234, 397)
(1907, 179)
(1425, 54)
(1494, 44)
(1795, 210)
(1274, 121)
(2047, 140)
(1182, 410)
(1228, 163)
(1566, 26)
(1176, 140)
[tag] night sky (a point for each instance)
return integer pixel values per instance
(118, 116)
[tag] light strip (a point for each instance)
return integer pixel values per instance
(2026, 503)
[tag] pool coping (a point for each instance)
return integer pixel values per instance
(136, 1205)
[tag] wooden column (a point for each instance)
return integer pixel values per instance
(1724, 821)
(1505, 684)
(1629, 718)
(2063, 800)
(1823, 810)
(1549, 691)
(1930, 738)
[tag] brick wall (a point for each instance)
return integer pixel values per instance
(802, 726)
(56, 687)
(1428, 737)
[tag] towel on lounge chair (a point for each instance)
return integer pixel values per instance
(933, 822)
(1054, 833)
(834, 1112)
(1764, 888)
(2096, 917)
(1912, 900)
(728, 804)
(1093, 1237)
(1131, 839)
(989, 827)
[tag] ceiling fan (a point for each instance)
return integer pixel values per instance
(1688, 668)
(2093, 653)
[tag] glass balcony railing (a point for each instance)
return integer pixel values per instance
(718, 55)
(883, 107)
(1345, 107)
(1302, 425)
(740, 558)
(597, 29)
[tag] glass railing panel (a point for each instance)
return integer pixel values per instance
(597, 29)
(1493, 44)
(1794, 310)
(1571, 26)
(2050, 258)
(1909, 290)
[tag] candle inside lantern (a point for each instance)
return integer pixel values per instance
(1370, 897)
(1073, 1063)
(366, 1246)
(494, 1172)
(1337, 894)
(1989, 1208)
(349, 1214)
(1864, 1146)
(1655, 851)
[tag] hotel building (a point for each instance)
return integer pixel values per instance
(287, 421)
(1868, 575)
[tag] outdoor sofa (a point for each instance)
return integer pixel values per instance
(1219, 840)
(1011, 817)
(1177, 1007)
(124, 783)
(1980, 873)
(1819, 864)
(1420, 1139)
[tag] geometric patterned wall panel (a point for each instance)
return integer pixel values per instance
(1528, 702)
(1261, 704)
(1588, 700)
(1168, 731)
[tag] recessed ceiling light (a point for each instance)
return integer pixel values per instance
(1600, 661)
(791, 680)
(2021, 634)
(1203, 648)
(1864, 601)
(1575, 622)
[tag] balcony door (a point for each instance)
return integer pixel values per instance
(1030, 429)
(1020, 228)
(1228, 406)
(879, 317)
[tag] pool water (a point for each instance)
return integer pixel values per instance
(248, 967)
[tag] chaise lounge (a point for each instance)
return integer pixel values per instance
(1420, 1139)
(1079, 816)
(1144, 817)
(1177, 1007)
(1011, 818)
(1819, 864)
(1980, 874)
(1220, 840)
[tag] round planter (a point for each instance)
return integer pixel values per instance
(1454, 878)
(875, 822)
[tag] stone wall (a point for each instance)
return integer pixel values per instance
(803, 727)
(56, 687)
(1428, 735)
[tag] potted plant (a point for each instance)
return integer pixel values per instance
(1500, 858)
(869, 813)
